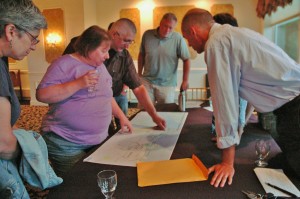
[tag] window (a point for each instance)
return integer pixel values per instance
(287, 36)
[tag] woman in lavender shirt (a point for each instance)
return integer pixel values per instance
(77, 88)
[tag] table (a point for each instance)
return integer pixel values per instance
(80, 181)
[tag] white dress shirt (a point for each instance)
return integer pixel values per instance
(243, 63)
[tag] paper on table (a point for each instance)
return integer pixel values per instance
(171, 171)
(143, 144)
(277, 178)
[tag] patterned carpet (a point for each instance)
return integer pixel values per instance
(31, 116)
(30, 119)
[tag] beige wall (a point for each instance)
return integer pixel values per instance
(108, 11)
(80, 14)
(74, 24)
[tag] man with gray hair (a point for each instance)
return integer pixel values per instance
(158, 59)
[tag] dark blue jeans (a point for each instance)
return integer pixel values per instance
(122, 101)
(288, 129)
(63, 154)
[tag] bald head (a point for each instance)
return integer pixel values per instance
(196, 17)
(123, 25)
(195, 27)
(122, 32)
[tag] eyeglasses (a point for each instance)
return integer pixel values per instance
(34, 39)
(127, 41)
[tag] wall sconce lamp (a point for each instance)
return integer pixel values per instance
(53, 39)
(54, 35)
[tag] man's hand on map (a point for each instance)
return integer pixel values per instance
(157, 128)
(161, 123)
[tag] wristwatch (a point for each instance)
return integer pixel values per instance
(125, 90)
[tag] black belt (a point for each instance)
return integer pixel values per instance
(291, 105)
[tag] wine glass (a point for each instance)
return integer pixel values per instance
(262, 149)
(107, 181)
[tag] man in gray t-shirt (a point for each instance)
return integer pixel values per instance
(160, 52)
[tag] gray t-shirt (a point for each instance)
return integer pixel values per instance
(7, 90)
(161, 56)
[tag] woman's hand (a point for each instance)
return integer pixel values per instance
(89, 79)
(125, 125)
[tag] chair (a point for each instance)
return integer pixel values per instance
(15, 76)
(197, 94)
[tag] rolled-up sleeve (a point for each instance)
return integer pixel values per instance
(224, 80)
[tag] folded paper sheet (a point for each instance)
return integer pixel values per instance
(171, 171)
(277, 178)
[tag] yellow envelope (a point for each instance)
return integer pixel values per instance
(171, 171)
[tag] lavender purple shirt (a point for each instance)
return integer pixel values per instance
(80, 118)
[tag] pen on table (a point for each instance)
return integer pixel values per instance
(282, 190)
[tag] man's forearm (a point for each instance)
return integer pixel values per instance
(185, 76)
(144, 99)
(140, 64)
(228, 155)
(186, 70)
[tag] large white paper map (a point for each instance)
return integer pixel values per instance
(143, 144)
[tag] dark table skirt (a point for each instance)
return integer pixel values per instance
(81, 182)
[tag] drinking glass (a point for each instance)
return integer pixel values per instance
(262, 149)
(107, 181)
(92, 89)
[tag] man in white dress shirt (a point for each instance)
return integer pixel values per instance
(242, 63)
